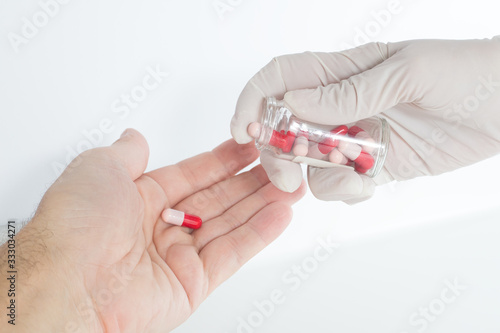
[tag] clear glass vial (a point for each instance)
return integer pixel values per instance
(362, 145)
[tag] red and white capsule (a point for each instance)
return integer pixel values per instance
(335, 156)
(301, 144)
(289, 140)
(282, 140)
(177, 217)
(360, 134)
(315, 152)
(360, 169)
(332, 141)
(354, 152)
(278, 140)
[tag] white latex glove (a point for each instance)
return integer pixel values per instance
(440, 97)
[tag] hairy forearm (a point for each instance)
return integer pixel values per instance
(39, 292)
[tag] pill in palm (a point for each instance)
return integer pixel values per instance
(179, 218)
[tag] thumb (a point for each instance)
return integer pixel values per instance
(358, 97)
(339, 184)
(132, 151)
(285, 175)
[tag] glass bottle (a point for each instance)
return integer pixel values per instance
(362, 145)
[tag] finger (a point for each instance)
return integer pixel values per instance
(208, 203)
(216, 199)
(154, 200)
(357, 200)
(241, 212)
(301, 71)
(339, 184)
(197, 173)
(361, 95)
(285, 175)
(132, 150)
(225, 255)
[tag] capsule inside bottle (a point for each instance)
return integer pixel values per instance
(361, 146)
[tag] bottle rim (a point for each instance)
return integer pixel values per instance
(385, 131)
(267, 122)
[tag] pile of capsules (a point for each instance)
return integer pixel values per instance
(346, 146)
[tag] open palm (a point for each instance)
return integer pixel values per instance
(137, 273)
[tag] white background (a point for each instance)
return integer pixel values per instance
(396, 250)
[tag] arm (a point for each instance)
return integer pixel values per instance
(98, 258)
(38, 291)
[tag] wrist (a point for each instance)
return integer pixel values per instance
(47, 289)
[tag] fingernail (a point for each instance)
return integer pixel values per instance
(125, 133)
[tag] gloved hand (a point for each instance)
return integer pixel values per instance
(440, 97)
